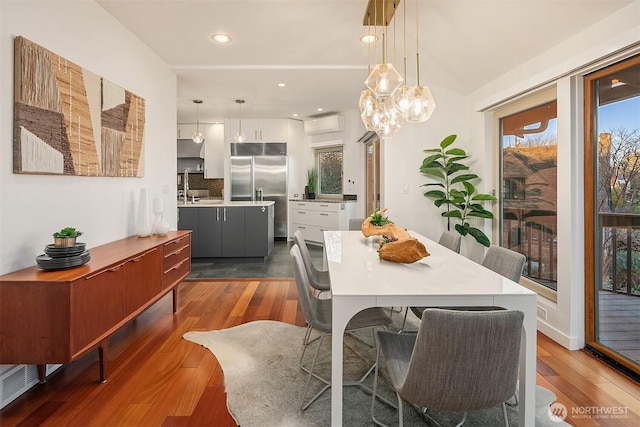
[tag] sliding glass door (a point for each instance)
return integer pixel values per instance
(612, 212)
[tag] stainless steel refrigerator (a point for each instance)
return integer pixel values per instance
(259, 170)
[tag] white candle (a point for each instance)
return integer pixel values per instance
(158, 206)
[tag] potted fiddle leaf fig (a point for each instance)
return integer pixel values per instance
(66, 237)
(453, 190)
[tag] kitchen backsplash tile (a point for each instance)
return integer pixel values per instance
(198, 182)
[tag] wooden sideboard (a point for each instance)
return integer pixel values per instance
(57, 316)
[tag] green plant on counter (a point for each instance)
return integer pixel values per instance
(378, 219)
(312, 180)
(67, 232)
(455, 193)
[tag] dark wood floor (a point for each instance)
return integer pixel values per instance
(156, 378)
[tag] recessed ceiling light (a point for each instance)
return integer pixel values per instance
(295, 114)
(221, 38)
(281, 84)
(319, 109)
(368, 38)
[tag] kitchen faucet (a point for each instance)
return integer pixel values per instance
(185, 184)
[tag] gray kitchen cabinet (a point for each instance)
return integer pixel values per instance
(258, 239)
(210, 230)
(188, 220)
(233, 231)
(228, 232)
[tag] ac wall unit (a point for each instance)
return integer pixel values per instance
(326, 124)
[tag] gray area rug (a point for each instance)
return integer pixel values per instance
(264, 382)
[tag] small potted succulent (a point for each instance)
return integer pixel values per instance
(66, 237)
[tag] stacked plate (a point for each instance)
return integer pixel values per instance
(57, 258)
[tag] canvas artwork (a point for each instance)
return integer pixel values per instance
(70, 121)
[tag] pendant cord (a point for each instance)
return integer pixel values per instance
(417, 47)
(404, 40)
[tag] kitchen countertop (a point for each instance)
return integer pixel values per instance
(221, 203)
(323, 200)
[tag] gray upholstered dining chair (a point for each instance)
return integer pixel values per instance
(450, 240)
(317, 313)
(355, 223)
(503, 261)
(319, 279)
(459, 361)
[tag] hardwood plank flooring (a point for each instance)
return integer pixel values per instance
(156, 378)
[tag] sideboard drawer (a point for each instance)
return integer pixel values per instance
(173, 258)
(176, 273)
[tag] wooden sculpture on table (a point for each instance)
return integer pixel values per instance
(397, 244)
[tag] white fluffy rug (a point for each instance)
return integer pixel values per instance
(264, 383)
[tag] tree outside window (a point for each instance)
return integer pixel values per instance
(329, 161)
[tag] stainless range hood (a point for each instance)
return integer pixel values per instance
(189, 149)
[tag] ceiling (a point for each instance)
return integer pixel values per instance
(313, 47)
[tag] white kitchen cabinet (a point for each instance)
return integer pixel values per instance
(213, 150)
(313, 217)
(186, 130)
(258, 130)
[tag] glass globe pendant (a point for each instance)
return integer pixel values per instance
(422, 104)
(197, 136)
(239, 136)
(384, 80)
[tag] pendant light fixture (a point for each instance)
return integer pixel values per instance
(197, 137)
(388, 102)
(239, 136)
(384, 79)
(421, 102)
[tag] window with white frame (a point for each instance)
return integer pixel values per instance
(528, 154)
(329, 164)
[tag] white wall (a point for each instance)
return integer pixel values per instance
(402, 157)
(32, 207)
(562, 66)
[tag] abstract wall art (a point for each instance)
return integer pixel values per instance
(69, 121)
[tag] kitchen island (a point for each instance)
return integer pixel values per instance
(228, 229)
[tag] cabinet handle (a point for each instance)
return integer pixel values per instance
(177, 266)
(263, 209)
(261, 134)
(302, 212)
(143, 255)
(224, 214)
(301, 204)
(175, 241)
(217, 214)
(112, 269)
(255, 134)
(324, 206)
(302, 226)
(324, 214)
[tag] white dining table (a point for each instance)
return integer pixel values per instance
(359, 279)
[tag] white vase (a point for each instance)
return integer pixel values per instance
(143, 219)
(160, 225)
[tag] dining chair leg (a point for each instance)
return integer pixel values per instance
(373, 392)
(504, 414)
(311, 374)
(404, 321)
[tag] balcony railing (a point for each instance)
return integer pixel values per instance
(620, 244)
(533, 234)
